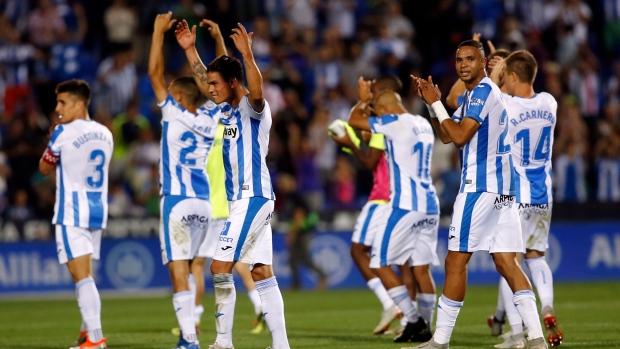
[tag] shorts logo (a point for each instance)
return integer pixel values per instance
(224, 233)
(268, 219)
(194, 220)
(527, 210)
(504, 200)
(426, 223)
(226, 248)
(451, 237)
(231, 132)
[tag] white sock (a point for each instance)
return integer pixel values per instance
(500, 311)
(255, 299)
(90, 307)
(225, 299)
(525, 302)
(426, 306)
(184, 309)
(447, 312)
(198, 310)
(514, 318)
(192, 285)
(273, 311)
(400, 296)
(377, 287)
(543, 280)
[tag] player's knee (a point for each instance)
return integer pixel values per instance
(261, 272)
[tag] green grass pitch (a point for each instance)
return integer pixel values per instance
(589, 315)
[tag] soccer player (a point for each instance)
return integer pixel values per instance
(80, 150)
(531, 119)
(188, 130)
(407, 225)
(215, 170)
(246, 237)
(485, 217)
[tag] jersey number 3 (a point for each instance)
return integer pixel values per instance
(97, 159)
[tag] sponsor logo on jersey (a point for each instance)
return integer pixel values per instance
(231, 132)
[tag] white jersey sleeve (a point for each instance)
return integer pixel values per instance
(409, 143)
(485, 160)
(532, 124)
(245, 147)
(85, 149)
(185, 144)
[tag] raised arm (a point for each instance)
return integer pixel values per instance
(187, 40)
(368, 159)
(358, 119)
(243, 43)
(156, 57)
(416, 83)
(459, 134)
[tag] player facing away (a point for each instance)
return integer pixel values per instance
(188, 130)
(407, 228)
(80, 150)
(246, 237)
(485, 216)
(215, 170)
(531, 119)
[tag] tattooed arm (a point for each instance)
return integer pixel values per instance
(243, 42)
(187, 38)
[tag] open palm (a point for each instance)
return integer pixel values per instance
(185, 37)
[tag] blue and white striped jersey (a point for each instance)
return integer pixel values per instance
(408, 145)
(186, 139)
(486, 163)
(532, 122)
(246, 143)
(85, 149)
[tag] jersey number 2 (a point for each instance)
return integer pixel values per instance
(97, 158)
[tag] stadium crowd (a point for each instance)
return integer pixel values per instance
(310, 53)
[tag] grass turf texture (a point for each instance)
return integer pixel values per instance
(589, 316)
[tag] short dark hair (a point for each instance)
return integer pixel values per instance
(501, 52)
(190, 89)
(76, 87)
(388, 82)
(473, 43)
(229, 67)
(524, 64)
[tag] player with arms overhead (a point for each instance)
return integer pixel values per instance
(532, 119)
(485, 217)
(80, 151)
(246, 237)
(188, 130)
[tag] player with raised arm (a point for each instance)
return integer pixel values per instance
(188, 130)
(485, 217)
(406, 232)
(531, 119)
(80, 150)
(246, 237)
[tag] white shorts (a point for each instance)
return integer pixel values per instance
(215, 227)
(182, 227)
(535, 222)
(73, 242)
(485, 221)
(363, 234)
(404, 238)
(246, 236)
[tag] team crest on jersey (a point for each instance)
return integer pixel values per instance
(231, 132)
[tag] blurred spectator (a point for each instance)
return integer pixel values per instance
(398, 26)
(116, 81)
(20, 211)
(5, 173)
(341, 16)
(607, 156)
(342, 184)
(121, 22)
(570, 149)
(45, 25)
(611, 27)
(126, 128)
(450, 181)
(302, 221)
(585, 84)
